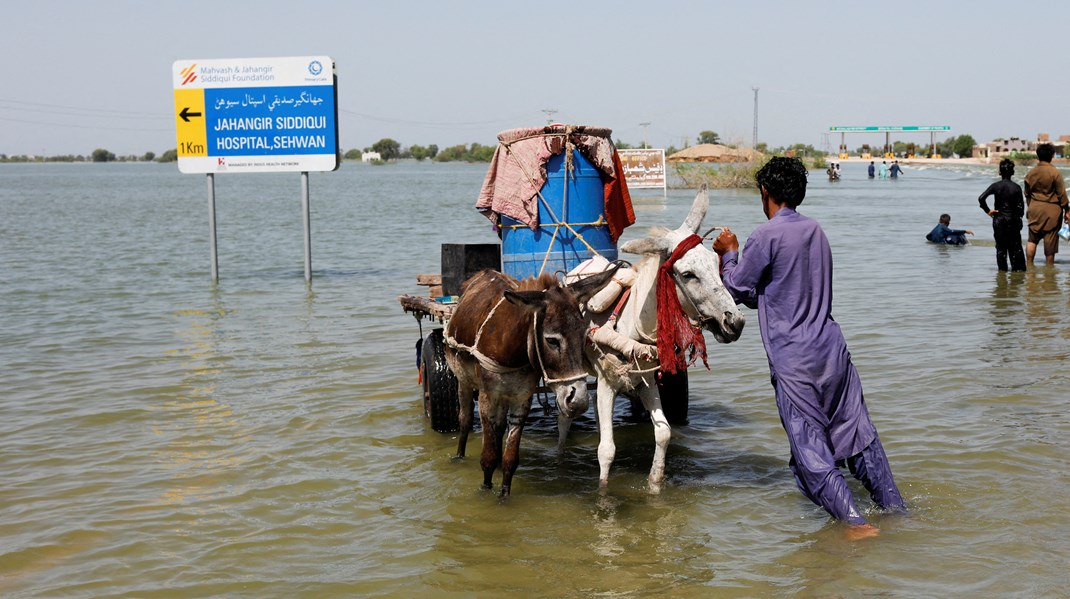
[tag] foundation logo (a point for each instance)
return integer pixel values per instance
(315, 67)
(189, 74)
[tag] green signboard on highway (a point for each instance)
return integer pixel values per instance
(876, 128)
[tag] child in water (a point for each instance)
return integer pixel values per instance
(942, 233)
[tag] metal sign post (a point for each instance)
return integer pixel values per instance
(257, 115)
(308, 231)
(211, 228)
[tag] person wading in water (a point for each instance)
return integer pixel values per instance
(786, 273)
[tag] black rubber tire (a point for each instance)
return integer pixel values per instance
(440, 384)
(674, 400)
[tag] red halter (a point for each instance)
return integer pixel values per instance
(674, 327)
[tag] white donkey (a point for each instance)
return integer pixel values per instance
(631, 369)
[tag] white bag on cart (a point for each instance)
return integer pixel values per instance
(603, 300)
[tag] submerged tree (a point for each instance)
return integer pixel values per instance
(102, 155)
(388, 149)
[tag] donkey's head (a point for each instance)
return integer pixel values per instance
(697, 275)
(559, 335)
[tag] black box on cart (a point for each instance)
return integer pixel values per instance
(462, 260)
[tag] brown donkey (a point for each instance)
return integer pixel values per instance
(503, 337)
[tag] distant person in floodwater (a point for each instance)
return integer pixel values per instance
(944, 234)
(1006, 217)
(872, 170)
(895, 170)
(785, 272)
(884, 169)
(1046, 205)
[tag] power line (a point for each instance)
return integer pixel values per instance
(71, 112)
(77, 126)
(81, 108)
(432, 124)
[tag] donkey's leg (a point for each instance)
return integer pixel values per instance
(465, 403)
(493, 420)
(511, 457)
(607, 449)
(662, 433)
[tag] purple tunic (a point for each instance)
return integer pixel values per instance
(786, 273)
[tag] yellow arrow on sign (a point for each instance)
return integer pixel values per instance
(192, 132)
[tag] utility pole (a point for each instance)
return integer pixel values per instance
(754, 139)
(550, 112)
(644, 126)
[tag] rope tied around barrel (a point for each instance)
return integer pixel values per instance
(570, 147)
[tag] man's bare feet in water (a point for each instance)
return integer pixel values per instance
(861, 531)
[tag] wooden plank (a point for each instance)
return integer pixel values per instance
(429, 279)
(424, 307)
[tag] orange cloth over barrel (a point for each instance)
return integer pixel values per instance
(619, 211)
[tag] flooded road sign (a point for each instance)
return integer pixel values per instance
(250, 115)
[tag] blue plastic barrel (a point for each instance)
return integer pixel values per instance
(524, 251)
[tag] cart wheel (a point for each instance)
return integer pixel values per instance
(440, 385)
(673, 390)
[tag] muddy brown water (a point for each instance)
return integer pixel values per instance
(162, 437)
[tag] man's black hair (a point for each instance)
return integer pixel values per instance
(945, 219)
(1006, 168)
(784, 179)
(1045, 152)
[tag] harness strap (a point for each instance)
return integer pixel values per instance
(492, 365)
(535, 328)
(484, 360)
(620, 304)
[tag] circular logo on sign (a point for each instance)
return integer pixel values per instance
(315, 67)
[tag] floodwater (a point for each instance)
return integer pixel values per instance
(164, 437)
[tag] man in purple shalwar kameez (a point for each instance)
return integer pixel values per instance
(786, 273)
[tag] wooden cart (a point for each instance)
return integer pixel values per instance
(440, 385)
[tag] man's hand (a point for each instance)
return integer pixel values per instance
(725, 242)
(969, 232)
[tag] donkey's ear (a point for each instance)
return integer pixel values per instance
(585, 288)
(698, 212)
(534, 301)
(646, 245)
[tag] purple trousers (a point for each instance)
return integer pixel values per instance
(819, 476)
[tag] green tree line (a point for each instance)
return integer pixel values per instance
(97, 155)
(391, 150)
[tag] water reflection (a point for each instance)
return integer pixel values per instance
(1006, 301)
(198, 422)
(1042, 287)
(1046, 307)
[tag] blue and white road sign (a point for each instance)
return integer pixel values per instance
(256, 115)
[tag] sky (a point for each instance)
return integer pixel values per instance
(84, 75)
